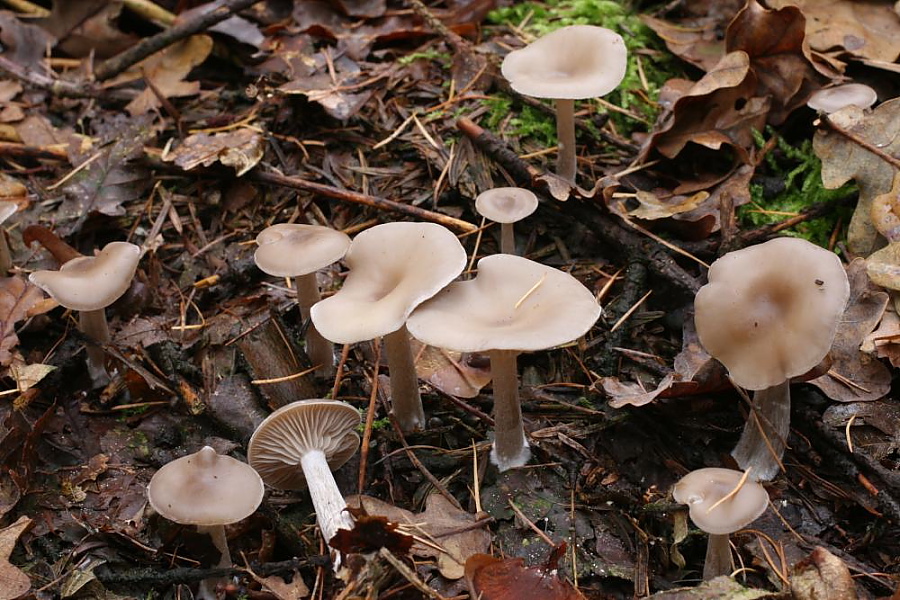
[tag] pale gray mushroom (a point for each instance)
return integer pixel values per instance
(89, 284)
(833, 99)
(770, 312)
(299, 251)
(720, 502)
(506, 205)
(513, 305)
(393, 268)
(572, 63)
(210, 491)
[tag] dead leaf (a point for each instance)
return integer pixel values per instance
(822, 576)
(295, 590)
(337, 84)
(855, 375)
(491, 578)
(883, 266)
(449, 371)
(883, 415)
(884, 342)
(371, 533)
(885, 212)
(240, 149)
(234, 26)
(27, 376)
(13, 581)
(697, 41)
(24, 44)
(718, 588)
(17, 296)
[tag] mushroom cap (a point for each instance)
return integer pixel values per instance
(702, 488)
(574, 62)
(92, 282)
(770, 312)
(291, 250)
(7, 209)
(281, 440)
(506, 204)
(394, 267)
(833, 99)
(512, 304)
(205, 488)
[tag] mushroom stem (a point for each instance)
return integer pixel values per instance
(331, 513)
(405, 398)
(319, 350)
(765, 434)
(92, 323)
(510, 446)
(718, 557)
(507, 239)
(207, 589)
(565, 134)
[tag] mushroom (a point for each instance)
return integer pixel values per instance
(317, 435)
(298, 251)
(571, 63)
(513, 305)
(89, 284)
(210, 491)
(770, 312)
(833, 99)
(506, 205)
(393, 268)
(7, 209)
(720, 502)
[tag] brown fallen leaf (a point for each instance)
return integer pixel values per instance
(697, 40)
(449, 371)
(491, 578)
(885, 211)
(240, 149)
(24, 44)
(714, 589)
(822, 576)
(370, 533)
(884, 341)
(13, 581)
(883, 415)
(17, 297)
(883, 266)
(282, 590)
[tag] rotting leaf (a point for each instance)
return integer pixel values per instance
(17, 297)
(23, 44)
(370, 533)
(884, 341)
(720, 587)
(883, 415)
(281, 589)
(13, 581)
(241, 149)
(695, 40)
(491, 578)
(822, 576)
(449, 371)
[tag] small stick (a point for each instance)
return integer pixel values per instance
(733, 492)
(370, 419)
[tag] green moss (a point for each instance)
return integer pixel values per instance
(441, 57)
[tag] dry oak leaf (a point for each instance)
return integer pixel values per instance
(450, 530)
(884, 342)
(719, 588)
(241, 149)
(13, 581)
(449, 371)
(822, 576)
(844, 159)
(17, 297)
(491, 578)
(697, 41)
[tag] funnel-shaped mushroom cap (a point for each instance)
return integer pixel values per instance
(287, 434)
(91, 282)
(770, 312)
(833, 99)
(506, 204)
(701, 489)
(393, 268)
(512, 304)
(571, 63)
(291, 250)
(205, 488)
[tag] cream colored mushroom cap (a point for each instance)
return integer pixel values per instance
(701, 489)
(92, 282)
(574, 62)
(770, 312)
(393, 268)
(512, 304)
(281, 440)
(205, 488)
(506, 204)
(833, 99)
(291, 249)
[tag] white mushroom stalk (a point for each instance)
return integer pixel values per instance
(331, 509)
(764, 438)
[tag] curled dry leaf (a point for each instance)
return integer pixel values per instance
(17, 297)
(240, 149)
(13, 581)
(697, 40)
(884, 341)
(885, 212)
(491, 578)
(449, 371)
(371, 533)
(822, 576)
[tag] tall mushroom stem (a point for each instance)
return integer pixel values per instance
(207, 589)
(405, 398)
(718, 556)
(507, 239)
(319, 350)
(510, 446)
(92, 323)
(765, 434)
(331, 513)
(565, 134)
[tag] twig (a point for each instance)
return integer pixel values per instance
(370, 419)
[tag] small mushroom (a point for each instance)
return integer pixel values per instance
(506, 205)
(720, 502)
(298, 251)
(210, 491)
(572, 63)
(393, 268)
(318, 437)
(89, 284)
(833, 99)
(770, 312)
(7, 209)
(513, 305)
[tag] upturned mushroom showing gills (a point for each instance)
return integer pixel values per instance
(572, 63)
(770, 312)
(210, 491)
(298, 446)
(299, 251)
(89, 284)
(720, 502)
(506, 205)
(513, 305)
(393, 268)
